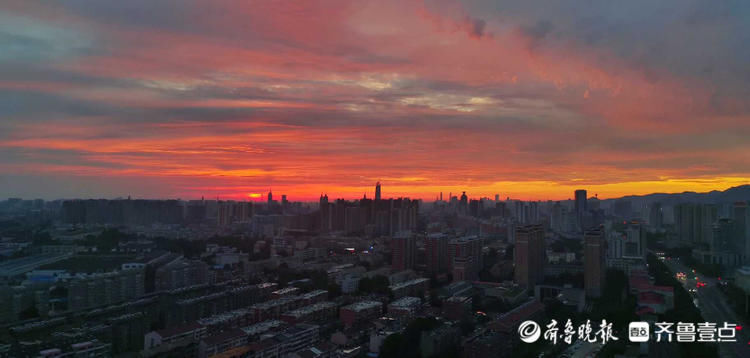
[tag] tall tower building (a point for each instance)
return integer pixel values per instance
(436, 253)
(694, 222)
(580, 207)
(465, 257)
(635, 241)
(580, 200)
(728, 246)
(656, 216)
(270, 197)
(556, 217)
(742, 231)
(593, 265)
(403, 247)
(377, 191)
(463, 205)
(325, 214)
(529, 256)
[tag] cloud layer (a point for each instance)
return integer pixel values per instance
(525, 99)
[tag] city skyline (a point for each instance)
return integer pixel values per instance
(527, 100)
(440, 196)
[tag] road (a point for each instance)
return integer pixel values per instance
(714, 308)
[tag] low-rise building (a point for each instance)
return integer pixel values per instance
(93, 349)
(222, 342)
(415, 287)
(190, 332)
(404, 307)
(652, 299)
(507, 324)
(315, 312)
(287, 291)
(457, 307)
(439, 340)
(314, 297)
(357, 312)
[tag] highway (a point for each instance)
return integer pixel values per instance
(714, 308)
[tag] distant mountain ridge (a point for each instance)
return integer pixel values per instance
(737, 193)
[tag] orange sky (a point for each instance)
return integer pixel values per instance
(530, 101)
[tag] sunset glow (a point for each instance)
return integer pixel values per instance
(228, 99)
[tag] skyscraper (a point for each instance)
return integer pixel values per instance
(403, 248)
(634, 243)
(270, 197)
(656, 216)
(377, 191)
(694, 222)
(436, 253)
(593, 265)
(580, 200)
(740, 215)
(465, 255)
(556, 217)
(580, 207)
(529, 256)
(728, 247)
(325, 214)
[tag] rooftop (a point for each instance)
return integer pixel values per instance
(464, 239)
(277, 302)
(508, 320)
(650, 298)
(311, 308)
(224, 336)
(315, 293)
(262, 327)
(224, 317)
(286, 291)
(458, 299)
(406, 302)
(174, 331)
(415, 281)
(363, 305)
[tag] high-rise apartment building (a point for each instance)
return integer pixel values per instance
(656, 216)
(436, 253)
(529, 256)
(594, 267)
(742, 230)
(403, 248)
(465, 255)
(694, 222)
(580, 201)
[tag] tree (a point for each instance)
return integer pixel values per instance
(391, 346)
(334, 290)
(467, 325)
(406, 344)
(29, 313)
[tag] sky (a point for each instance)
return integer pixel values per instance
(228, 99)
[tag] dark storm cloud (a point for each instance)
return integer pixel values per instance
(705, 40)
